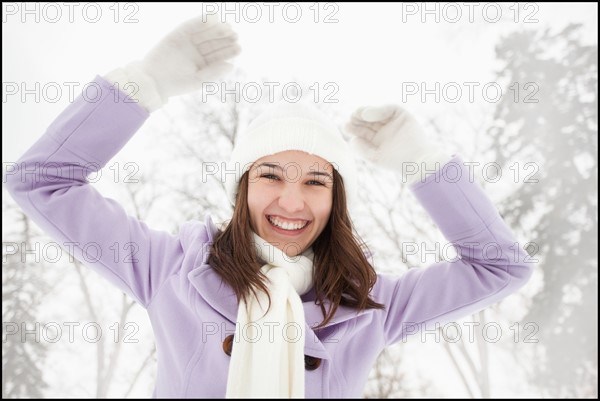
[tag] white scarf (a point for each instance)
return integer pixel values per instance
(267, 360)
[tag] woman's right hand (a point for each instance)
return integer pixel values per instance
(195, 52)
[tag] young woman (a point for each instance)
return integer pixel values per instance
(282, 302)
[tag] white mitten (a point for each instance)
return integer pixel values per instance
(390, 137)
(193, 53)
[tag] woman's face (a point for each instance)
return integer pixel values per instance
(290, 196)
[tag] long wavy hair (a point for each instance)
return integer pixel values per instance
(342, 273)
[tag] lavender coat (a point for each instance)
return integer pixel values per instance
(192, 310)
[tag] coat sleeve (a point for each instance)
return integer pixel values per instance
(491, 263)
(50, 183)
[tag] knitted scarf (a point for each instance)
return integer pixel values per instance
(267, 359)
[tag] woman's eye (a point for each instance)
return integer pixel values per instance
(269, 176)
(315, 182)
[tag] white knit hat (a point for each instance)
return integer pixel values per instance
(292, 126)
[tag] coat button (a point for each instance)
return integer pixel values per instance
(311, 363)
(228, 344)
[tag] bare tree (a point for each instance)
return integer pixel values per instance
(23, 288)
(555, 130)
(387, 377)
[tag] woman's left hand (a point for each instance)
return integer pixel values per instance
(391, 137)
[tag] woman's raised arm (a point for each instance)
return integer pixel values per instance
(50, 181)
(491, 264)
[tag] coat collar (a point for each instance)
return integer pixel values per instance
(223, 300)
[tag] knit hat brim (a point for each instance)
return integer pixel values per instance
(291, 127)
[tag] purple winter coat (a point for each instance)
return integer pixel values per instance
(192, 310)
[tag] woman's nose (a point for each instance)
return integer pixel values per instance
(291, 198)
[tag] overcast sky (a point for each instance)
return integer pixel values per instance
(369, 51)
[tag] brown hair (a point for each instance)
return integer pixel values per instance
(342, 273)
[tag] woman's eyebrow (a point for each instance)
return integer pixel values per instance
(278, 167)
(321, 173)
(272, 165)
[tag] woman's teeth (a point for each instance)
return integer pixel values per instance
(287, 225)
